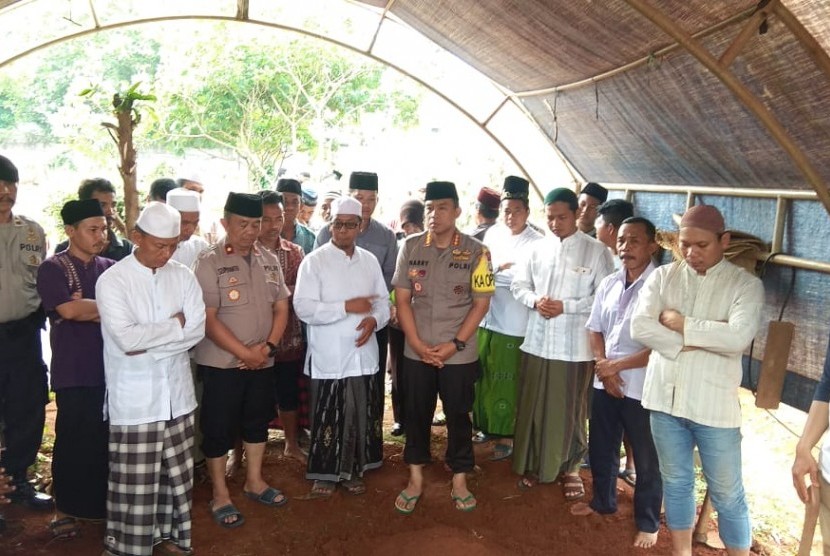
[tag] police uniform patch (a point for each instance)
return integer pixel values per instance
(33, 260)
(458, 290)
(233, 295)
(32, 236)
(233, 280)
(422, 273)
(413, 273)
(418, 286)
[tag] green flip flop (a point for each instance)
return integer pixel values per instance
(413, 500)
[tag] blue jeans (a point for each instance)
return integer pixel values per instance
(720, 454)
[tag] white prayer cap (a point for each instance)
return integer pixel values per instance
(183, 200)
(346, 206)
(160, 220)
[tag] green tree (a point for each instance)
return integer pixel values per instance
(265, 102)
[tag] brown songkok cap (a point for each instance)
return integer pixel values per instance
(705, 217)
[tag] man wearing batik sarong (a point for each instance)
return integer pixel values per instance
(557, 281)
(341, 296)
(503, 328)
(150, 389)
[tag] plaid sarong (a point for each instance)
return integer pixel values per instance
(150, 487)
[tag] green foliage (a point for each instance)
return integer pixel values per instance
(252, 96)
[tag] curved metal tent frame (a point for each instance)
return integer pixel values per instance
(527, 162)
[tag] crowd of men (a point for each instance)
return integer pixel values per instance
(169, 351)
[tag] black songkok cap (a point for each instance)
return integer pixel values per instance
(562, 195)
(288, 185)
(515, 188)
(367, 181)
(8, 171)
(437, 190)
(596, 191)
(248, 205)
(75, 211)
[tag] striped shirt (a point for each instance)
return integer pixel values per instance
(569, 270)
(722, 312)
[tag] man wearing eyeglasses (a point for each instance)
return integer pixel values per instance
(378, 239)
(342, 298)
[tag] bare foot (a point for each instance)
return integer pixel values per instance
(297, 454)
(645, 540)
(583, 509)
(234, 463)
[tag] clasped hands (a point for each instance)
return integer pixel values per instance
(607, 371)
(549, 308)
(435, 355)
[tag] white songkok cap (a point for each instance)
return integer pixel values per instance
(160, 220)
(346, 206)
(183, 200)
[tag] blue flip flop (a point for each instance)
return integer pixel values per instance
(228, 510)
(268, 497)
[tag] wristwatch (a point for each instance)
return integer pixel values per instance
(459, 345)
(272, 349)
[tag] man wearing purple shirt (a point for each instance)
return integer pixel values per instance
(66, 284)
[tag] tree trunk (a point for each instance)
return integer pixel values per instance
(126, 154)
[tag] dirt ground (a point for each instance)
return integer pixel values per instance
(506, 522)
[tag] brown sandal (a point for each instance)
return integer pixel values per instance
(64, 529)
(572, 487)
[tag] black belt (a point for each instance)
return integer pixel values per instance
(17, 328)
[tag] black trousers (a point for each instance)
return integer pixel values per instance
(24, 393)
(235, 403)
(80, 458)
(394, 366)
(456, 385)
(382, 337)
(610, 417)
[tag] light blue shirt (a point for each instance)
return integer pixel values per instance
(611, 317)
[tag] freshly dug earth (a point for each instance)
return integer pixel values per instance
(507, 521)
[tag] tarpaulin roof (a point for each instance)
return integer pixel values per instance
(598, 80)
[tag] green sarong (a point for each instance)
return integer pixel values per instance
(551, 434)
(494, 409)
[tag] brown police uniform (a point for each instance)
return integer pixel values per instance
(23, 384)
(244, 291)
(442, 284)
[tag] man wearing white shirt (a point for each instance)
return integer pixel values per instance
(558, 281)
(190, 245)
(342, 297)
(698, 316)
(503, 328)
(150, 399)
(618, 386)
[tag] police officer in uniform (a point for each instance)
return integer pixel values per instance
(23, 386)
(246, 302)
(443, 284)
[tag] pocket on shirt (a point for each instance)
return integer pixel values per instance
(578, 282)
(233, 291)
